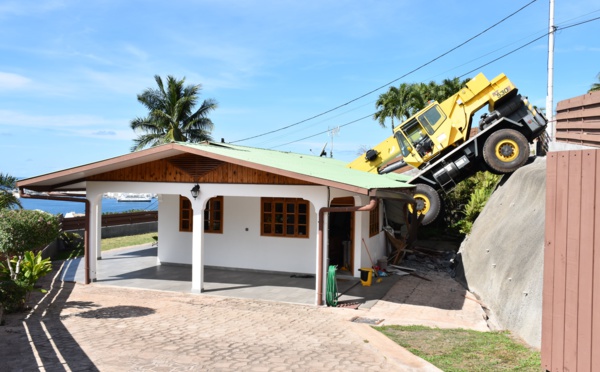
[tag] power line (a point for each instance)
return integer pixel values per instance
(325, 131)
(529, 43)
(391, 82)
(476, 69)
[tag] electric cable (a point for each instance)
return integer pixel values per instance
(529, 43)
(463, 75)
(391, 82)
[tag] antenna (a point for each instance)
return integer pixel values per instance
(333, 132)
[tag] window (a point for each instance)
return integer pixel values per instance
(213, 215)
(186, 215)
(374, 221)
(286, 217)
(432, 118)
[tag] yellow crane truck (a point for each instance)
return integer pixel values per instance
(436, 140)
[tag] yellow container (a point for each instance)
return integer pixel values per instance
(366, 276)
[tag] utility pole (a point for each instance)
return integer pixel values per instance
(550, 95)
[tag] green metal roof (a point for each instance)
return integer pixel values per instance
(306, 165)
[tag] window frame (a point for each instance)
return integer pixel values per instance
(210, 215)
(273, 219)
(374, 221)
(186, 223)
(186, 215)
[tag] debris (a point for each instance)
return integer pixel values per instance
(420, 277)
(399, 272)
(403, 268)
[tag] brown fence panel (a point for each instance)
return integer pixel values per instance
(578, 120)
(78, 223)
(570, 327)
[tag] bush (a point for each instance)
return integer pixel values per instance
(22, 233)
(482, 185)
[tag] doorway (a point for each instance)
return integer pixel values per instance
(341, 233)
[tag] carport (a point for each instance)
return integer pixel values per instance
(244, 209)
(136, 267)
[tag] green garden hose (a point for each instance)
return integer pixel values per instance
(332, 295)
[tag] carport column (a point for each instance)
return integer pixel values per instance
(95, 231)
(321, 239)
(198, 245)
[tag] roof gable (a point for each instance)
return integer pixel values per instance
(217, 163)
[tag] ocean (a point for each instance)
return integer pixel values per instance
(109, 205)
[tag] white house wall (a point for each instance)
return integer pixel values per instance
(174, 246)
(376, 244)
(237, 247)
(242, 246)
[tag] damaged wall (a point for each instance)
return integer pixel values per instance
(502, 258)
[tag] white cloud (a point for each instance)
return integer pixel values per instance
(10, 81)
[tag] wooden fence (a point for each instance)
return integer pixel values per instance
(78, 223)
(571, 294)
(578, 120)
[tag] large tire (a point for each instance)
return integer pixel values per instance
(428, 203)
(505, 151)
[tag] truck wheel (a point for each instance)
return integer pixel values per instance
(428, 203)
(505, 151)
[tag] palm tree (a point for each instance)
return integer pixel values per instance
(595, 86)
(406, 100)
(7, 199)
(395, 103)
(171, 117)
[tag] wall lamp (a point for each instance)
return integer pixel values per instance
(195, 191)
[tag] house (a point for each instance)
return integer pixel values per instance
(251, 208)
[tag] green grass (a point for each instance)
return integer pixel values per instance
(108, 244)
(127, 241)
(465, 350)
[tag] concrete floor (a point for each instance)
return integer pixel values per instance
(136, 267)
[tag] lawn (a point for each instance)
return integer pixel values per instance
(110, 243)
(465, 350)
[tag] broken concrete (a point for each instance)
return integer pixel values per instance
(502, 258)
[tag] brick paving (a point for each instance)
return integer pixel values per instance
(106, 328)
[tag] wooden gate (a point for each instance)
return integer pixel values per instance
(571, 294)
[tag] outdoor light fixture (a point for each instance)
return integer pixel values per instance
(195, 191)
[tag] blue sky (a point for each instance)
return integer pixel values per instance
(70, 71)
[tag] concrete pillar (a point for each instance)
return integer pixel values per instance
(317, 202)
(95, 231)
(198, 245)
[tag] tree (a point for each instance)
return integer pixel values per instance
(595, 86)
(406, 100)
(171, 116)
(395, 103)
(7, 199)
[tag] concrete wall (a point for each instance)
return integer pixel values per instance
(502, 258)
(240, 245)
(173, 246)
(125, 230)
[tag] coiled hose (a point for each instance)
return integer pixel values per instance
(331, 295)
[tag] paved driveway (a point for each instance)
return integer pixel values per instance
(108, 328)
(104, 327)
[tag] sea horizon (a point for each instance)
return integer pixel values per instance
(109, 205)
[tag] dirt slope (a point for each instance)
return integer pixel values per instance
(502, 258)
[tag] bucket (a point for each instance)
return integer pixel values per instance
(366, 276)
(382, 263)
